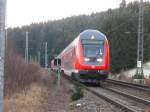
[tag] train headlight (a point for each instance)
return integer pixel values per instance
(86, 59)
(76, 71)
(99, 59)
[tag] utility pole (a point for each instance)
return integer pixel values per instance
(35, 59)
(39, 57)
(139, 70)
(30, 58)
(27, 47)
(46, 60)
(6, 39)
(2, 49)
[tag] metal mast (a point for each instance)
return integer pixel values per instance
(2, 48)
(139, 70)
(46, 55)
(27, 47)
(39, 57)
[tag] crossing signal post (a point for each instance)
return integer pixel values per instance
(57, 63)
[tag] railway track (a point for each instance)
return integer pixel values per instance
(127, 102)
(134, 97)
(131, 85)
(123, 102)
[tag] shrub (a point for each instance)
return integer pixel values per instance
(77, 93)
(18, 74)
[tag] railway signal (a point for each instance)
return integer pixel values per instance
(57, 63)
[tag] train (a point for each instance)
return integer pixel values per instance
(86, 58)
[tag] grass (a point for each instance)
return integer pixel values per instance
(28, 101)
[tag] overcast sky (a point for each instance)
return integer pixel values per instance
(25, 12)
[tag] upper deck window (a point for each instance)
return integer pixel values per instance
(88, 41)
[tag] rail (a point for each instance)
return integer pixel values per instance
(132, 85)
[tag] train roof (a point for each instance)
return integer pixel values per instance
(87, 34)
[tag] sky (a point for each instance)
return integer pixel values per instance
(25, 12)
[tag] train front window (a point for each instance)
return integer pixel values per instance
(93, 49)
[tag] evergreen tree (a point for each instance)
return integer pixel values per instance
(123, 4)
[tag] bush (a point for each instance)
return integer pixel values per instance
(77, 93)
(18, 74)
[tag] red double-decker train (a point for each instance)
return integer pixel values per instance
(87, 57)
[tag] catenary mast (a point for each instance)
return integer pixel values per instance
(2, 48)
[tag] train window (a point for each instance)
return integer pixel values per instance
(57, 62)
(87, 41)
(93, 50)
(74, 52)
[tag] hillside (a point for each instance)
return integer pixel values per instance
(120, 26)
